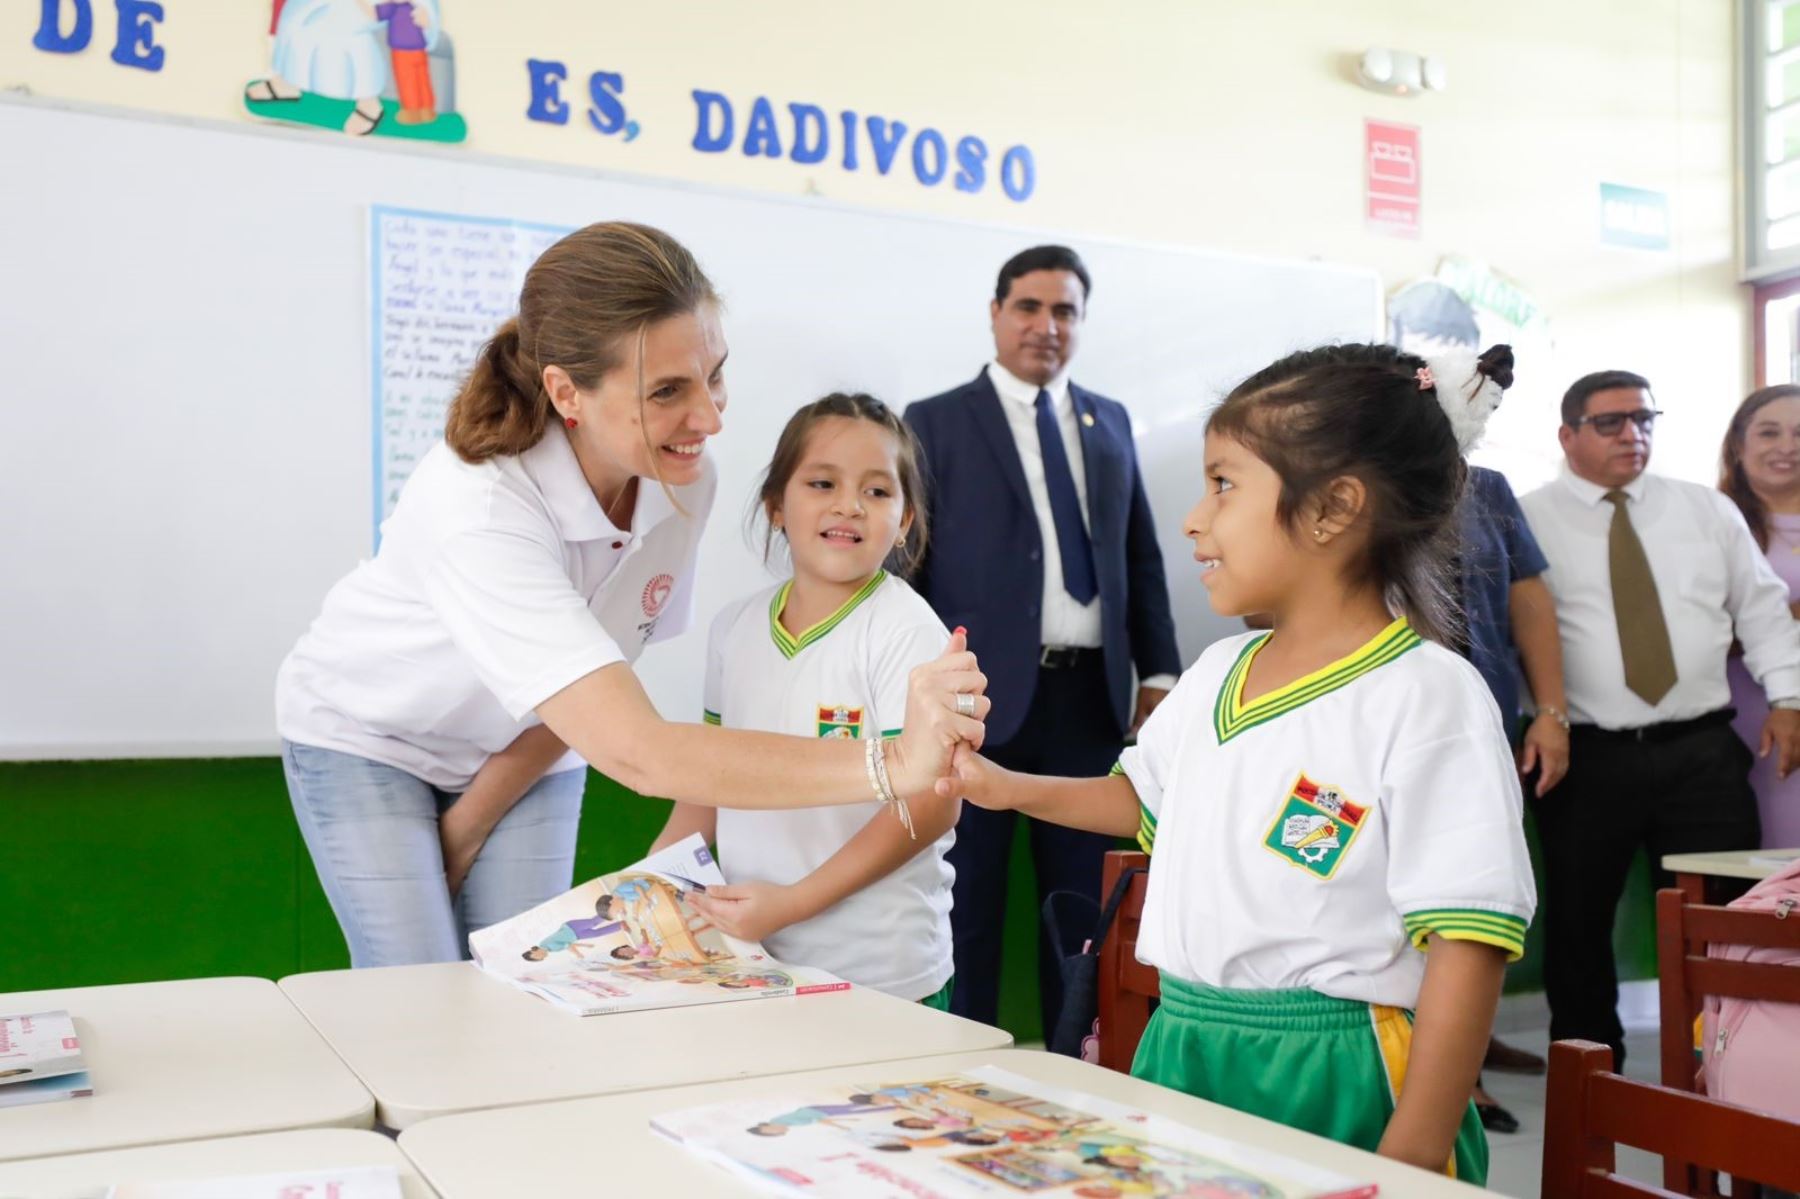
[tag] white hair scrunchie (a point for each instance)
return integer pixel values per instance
(1469, 388)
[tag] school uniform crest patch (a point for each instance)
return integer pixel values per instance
(835, 720)
(1314, 827)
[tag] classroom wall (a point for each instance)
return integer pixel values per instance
(1228, 125)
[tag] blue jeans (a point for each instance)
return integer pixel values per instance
(372, 831)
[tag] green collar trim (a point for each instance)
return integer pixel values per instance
(790, 645)
(1232, 716)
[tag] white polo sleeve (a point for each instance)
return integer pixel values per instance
(896, 649)
(506, 599)
(1457, 863)
(1150, 763)
(1758, 602)
(712, 692)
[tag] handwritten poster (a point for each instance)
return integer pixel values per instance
(440, 284)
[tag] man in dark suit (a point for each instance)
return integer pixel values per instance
(1042, 547)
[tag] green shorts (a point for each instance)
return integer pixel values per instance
(940, 998)
(1327, 1066)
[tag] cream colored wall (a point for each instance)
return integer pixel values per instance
(1228, 125)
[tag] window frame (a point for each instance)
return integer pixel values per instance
(1759, 263)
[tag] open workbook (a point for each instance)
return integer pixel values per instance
(630, 941)
(984, 1133)
(40, 1059)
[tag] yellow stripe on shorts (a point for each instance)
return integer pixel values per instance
(1393, 1036)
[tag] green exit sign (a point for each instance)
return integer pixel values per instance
(1634, 216)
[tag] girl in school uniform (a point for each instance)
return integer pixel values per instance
(1338, 874)
(826, 655)
(531, 557)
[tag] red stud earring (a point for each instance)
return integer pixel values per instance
(569, 421)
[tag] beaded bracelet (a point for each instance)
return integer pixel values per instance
(875, 760)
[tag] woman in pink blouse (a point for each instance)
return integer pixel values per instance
(1760, 471)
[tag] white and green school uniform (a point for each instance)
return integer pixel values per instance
(1305, 846)
(844, 677)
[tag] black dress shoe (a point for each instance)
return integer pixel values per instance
(1495, 1118)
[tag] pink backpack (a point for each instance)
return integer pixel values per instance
(1750, 1047)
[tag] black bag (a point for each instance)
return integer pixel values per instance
(1078, 928)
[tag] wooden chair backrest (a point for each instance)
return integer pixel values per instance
(1590, 1109)
(1126, 985)
(1686, 976)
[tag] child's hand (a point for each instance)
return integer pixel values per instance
(748, 911)
(462, 838)
(974, 778)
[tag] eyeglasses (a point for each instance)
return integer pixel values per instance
(1608, 424)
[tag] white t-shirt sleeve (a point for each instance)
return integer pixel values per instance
(1757, 599)
(1149, 764)
(893, 655)
(712, 692)
(506, 599)
(1457, 863)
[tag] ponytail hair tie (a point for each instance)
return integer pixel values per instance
(1426, 381)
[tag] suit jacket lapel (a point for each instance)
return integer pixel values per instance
(1097, 454)
(990, 418)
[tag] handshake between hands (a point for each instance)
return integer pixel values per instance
(934, 760)
(937, 752)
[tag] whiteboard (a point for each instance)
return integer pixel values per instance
(184, 327)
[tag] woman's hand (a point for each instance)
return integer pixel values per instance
(921, 755)
(462, 833)
(748, 911)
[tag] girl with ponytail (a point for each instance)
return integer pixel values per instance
(429, 714)
(1338, 875)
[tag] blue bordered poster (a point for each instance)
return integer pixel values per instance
(439, 285)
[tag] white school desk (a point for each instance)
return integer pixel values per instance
(437, 1039)
(87, 1174)
(179, 1061)
(556, 1149)
(1693, 871)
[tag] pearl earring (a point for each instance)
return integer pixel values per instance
(1319, 534)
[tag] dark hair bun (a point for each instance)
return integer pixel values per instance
(1496, 362)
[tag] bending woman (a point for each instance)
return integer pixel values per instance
(529, 560)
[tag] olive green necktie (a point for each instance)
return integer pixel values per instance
(1643, 633)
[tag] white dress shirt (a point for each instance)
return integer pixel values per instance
(1710, 577)
(1065, 622)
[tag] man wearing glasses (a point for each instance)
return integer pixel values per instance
(1653, 579)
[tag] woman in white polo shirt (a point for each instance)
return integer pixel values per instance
(529, 560)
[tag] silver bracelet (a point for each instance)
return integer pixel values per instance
(884, 789)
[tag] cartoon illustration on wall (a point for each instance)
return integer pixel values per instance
(362, 66)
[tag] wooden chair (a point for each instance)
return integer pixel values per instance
(1590, 1109)
(1126, 985)
(1685, 976)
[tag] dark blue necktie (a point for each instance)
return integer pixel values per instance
(1065, 507)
